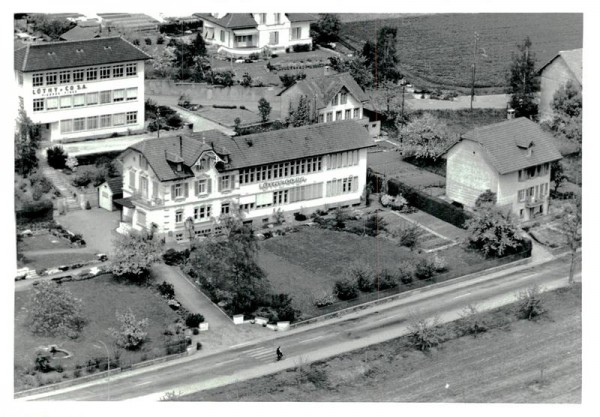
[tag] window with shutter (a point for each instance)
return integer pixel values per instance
(186, 190)
(209, 185)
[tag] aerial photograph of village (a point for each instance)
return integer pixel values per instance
(297, 207)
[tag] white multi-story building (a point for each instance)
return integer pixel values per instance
(511, 158)
(242, 34)
(330, 98)
(82, 89)
(170, 180)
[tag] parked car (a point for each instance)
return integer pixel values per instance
(239, 61)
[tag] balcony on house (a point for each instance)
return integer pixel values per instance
(534, 201)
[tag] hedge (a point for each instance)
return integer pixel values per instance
(429, 204)
(91, 159)
(35, 212)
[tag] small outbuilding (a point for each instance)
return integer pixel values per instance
(110, 191)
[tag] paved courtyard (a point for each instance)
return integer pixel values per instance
(96, 225)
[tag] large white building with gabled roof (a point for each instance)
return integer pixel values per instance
(82, 89)
(170, 180)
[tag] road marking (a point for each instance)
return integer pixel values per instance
(145, 383)
(224, 362)
(310, 340)
(388, 317)
(462, 295)
(240, 345)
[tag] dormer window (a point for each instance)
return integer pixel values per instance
(179, 167)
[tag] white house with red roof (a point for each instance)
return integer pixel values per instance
(196, 179)
(82, 89)
(242, 34)
(511, 159)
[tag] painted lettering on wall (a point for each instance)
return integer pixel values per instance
(57, 91)
(281, 183)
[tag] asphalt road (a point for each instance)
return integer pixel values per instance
(319, 341)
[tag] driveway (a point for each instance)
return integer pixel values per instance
(96, 225)
(222, 333)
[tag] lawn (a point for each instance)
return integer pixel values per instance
(226, 117)
(53, 260)
(503, 365)
(102, 297)
(437, 49)
(43, 241)
(307, 263)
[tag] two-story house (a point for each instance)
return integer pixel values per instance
(242, 34)
(564, 67)
(178, 179)
(331, 98)
(82, 89)
(510, 158)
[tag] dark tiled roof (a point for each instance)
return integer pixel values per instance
(253, 150)
(69, 54)
(231, 20)
(326, 87)
(301, 17)
(79, 33)
(157, 151)
(294, 143)
(115, 185)
(502, 140)
(573, 59)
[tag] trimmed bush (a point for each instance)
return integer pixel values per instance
(166, 290)
(56, 157)
(173, 257)
(345, 289)
(374, 225)
(363, 275)
(424, 269)
(406, 275)
(299, 217)
(385, 280)
(194, 320)
(409, 235)
(325, 301)
(301, 47)
(35, 212)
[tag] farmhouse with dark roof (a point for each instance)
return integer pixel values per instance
(510, 158)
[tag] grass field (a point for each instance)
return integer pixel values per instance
(101, 297)
(516, 362)
(438, 48)
(307, 263)
(53, 260)
(43, 242)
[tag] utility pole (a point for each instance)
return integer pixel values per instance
(402, 108)
(473, 70)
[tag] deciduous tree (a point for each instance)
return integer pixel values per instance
(301, 114)
(326, 29)
(264, 108)
(523, 82)
(567, 106)
(228, 267)
(163, 62)
(132, 332)
(53, 310)
(425, 138)
(493, 232)
(27, 142)
(424, 332)
(134, 254)
(570, 227)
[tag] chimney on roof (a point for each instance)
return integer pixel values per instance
(181, 146)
